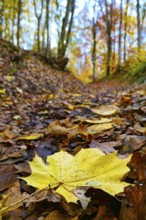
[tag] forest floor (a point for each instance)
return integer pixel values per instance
(44, 110)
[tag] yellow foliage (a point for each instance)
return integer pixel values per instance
(89, 167)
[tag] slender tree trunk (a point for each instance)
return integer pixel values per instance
(13, 20)
(94, 44)
(38, 16)
(47, 24)
(67, 23)
(109, 18)
(94, 53)
(18, 22)
(125, 29)
(1, 17)
(46, 30)
(114, 42)
(38, 33)
(138, 27)
(120, 37)
(143, 17)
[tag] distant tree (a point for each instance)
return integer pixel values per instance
(143, 15)
(66, 28)
(1, 17)
(38, 16)
(18, 22)
(94, 37)
(138, 26)
(120, 36)
(125, 28)
(109, 24)
(47, 24)
(14, 13)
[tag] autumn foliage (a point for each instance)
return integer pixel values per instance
(69, 151)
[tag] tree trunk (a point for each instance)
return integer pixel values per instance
(143, 16)
(13, 20)
(47, 24)
(109, 17)
(38, 33)
(67, 23)
(38, 16)
(125, 29)
(138, 27)
(94, 44)
(18, 22)
(1, 17)
(120, 37)
(94, 52)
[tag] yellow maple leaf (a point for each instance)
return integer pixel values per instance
(89, 167)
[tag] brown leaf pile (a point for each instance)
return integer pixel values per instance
(43, 110)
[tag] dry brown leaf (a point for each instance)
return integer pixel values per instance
(79, 129)
(58, 215)
(56, 129)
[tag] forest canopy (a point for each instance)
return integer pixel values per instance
(99, 37)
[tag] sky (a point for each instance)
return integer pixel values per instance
(29, 34)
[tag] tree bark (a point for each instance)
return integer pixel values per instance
(109, 23)
(125, 29)
(94, 30)
(13, 20)
(18, 22)
(38, 16)
(1, 17)
(67, 23)
(47, 23)
(120, 37)
(138, 27)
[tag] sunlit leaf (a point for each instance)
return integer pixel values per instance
(65, 172)
(16, 117)
(106, 110)
(94, 129)
(32, 136)
(99, 121)
(2, 91)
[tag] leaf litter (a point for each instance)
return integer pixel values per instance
(41, 114)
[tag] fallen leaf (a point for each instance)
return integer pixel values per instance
(94, 129)
(2, 91)
(106, 110)
(12, 198)
(106, 147)
(66, 172)
(94, 120)
(76, 130)
(31, 137)
(16, 117)
(55, 129)
(80, 193)
(7, 176)
(58, 215)
(139, 128)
